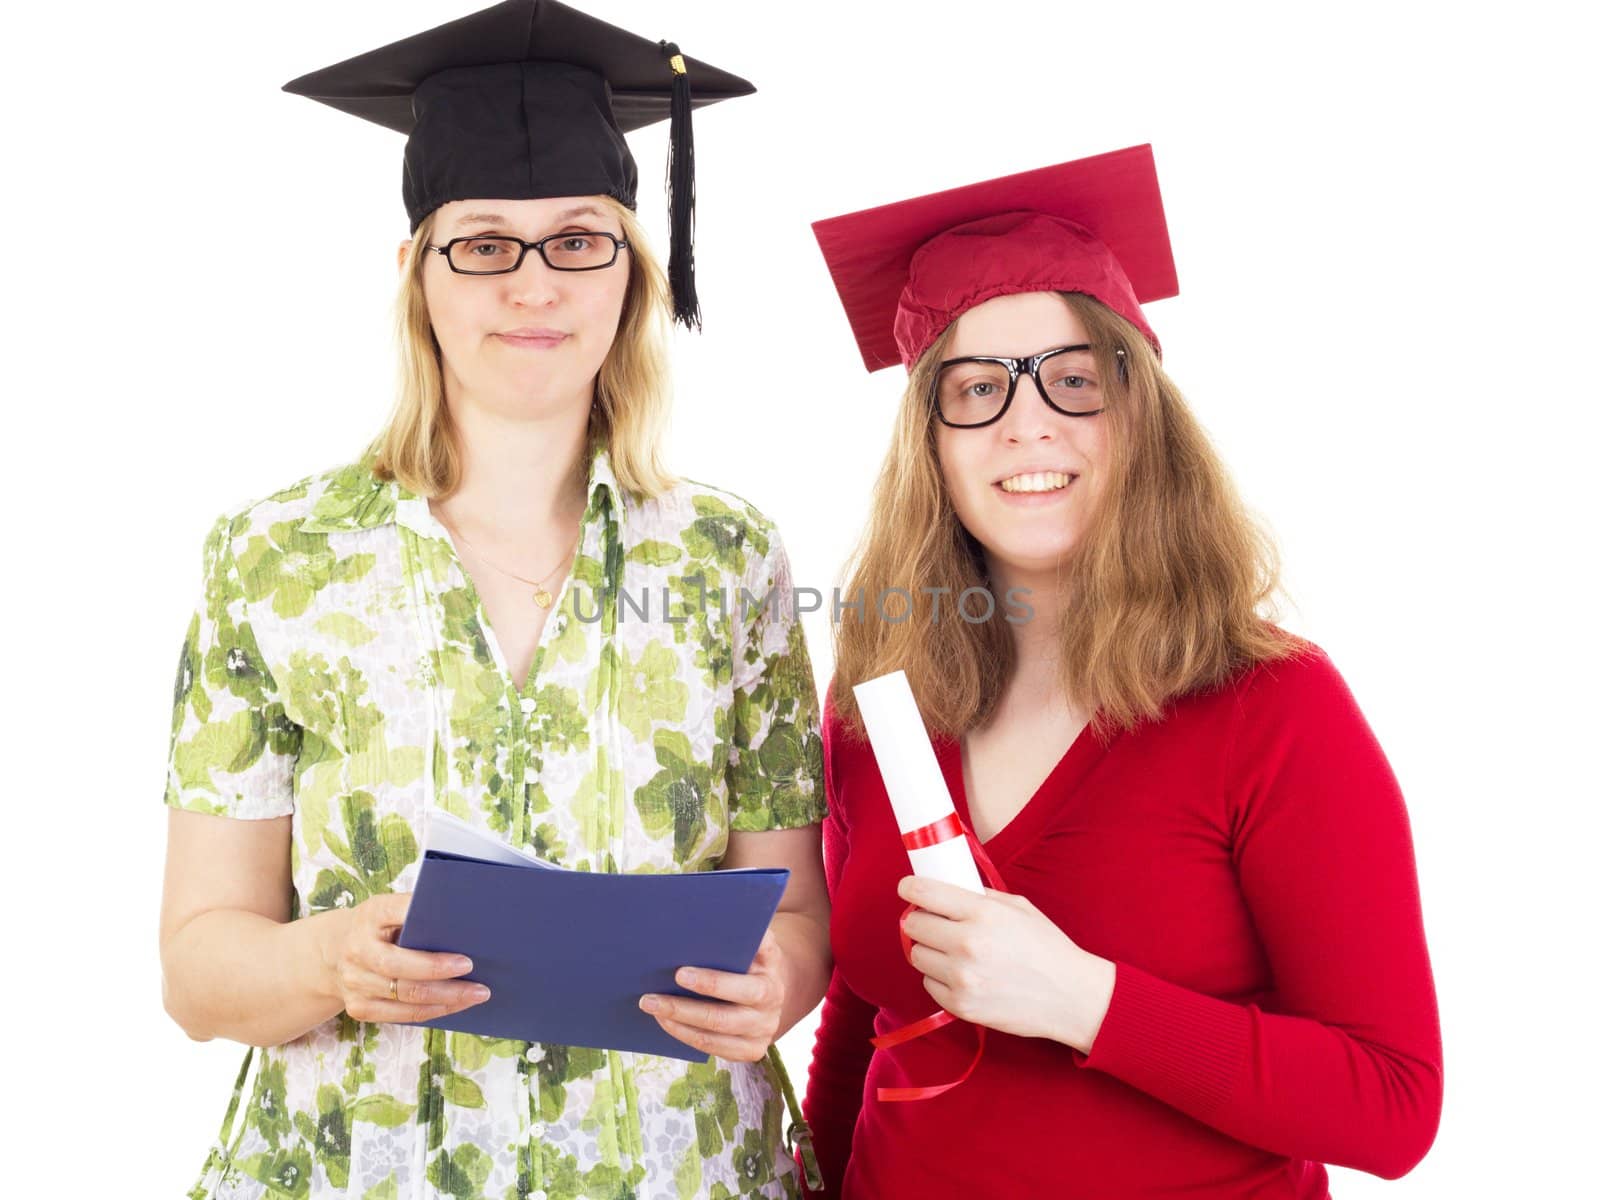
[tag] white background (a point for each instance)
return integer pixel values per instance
(1383, 223)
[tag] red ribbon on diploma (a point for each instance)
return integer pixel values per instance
(942, 830)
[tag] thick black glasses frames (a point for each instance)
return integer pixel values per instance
(1016, 368)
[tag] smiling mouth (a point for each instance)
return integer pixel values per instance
(1035, 482)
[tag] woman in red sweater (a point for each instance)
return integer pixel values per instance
(1202, 971)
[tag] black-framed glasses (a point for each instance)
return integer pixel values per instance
(574, 250)
(971, 392)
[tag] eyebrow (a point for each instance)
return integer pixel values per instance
(471, 219)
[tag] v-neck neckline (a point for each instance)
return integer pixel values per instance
(1087, 749)
(480, 614)
(435, 528)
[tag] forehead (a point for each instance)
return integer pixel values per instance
(1017, 325)
(465, 216)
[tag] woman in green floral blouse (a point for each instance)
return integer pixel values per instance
(453, 622)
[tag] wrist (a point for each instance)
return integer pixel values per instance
(783, 933)
(328, 930)
(805, 964)
(1088, 1000)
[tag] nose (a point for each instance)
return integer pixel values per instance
(534, 284)
(1029, 418)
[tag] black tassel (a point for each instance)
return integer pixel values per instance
(680, 196)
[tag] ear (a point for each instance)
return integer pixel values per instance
(403, 255)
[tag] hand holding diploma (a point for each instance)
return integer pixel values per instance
(986, 956)
(996, 960)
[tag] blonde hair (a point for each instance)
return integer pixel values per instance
(1168, 590)
(419, 445)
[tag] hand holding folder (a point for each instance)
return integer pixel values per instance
(566, 954)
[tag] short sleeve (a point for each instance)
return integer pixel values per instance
(233, 747)
(775, 761)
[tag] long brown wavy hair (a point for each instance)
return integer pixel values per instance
(419, 445)
(1170, 590)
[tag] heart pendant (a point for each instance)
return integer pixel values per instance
(541, 597)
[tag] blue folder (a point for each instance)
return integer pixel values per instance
(567, 954)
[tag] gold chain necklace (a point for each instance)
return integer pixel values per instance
(541, 595)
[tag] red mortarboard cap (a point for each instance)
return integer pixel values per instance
(905, 271)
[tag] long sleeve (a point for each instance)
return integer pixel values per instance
(843, 1047)
(1347, 1067)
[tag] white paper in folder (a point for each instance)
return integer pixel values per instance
(911, 774)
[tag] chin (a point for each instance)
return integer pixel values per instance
(542, 383)
(1031, 560)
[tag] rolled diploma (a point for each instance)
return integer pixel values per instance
(917, 791)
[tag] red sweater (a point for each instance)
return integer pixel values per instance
(1246, 862)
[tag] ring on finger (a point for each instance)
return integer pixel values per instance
(394, 989)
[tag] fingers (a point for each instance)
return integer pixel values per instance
(769, 955)
(739, 1022)
(395, 962)
(936, 964)
(450, 995)
(930, 929)
(368, 975)
(709, 1016)
(391, 1011)
(945, 899)
(759, 988)
(741, 1018)
(385, 998)
(387, 910)
(733, 1049)
(371, 945)
(380, 981)
(945, 997)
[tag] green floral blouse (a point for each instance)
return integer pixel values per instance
(340, 670)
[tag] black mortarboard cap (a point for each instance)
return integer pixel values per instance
(527, 99)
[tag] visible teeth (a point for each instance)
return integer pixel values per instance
(1038, 481)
